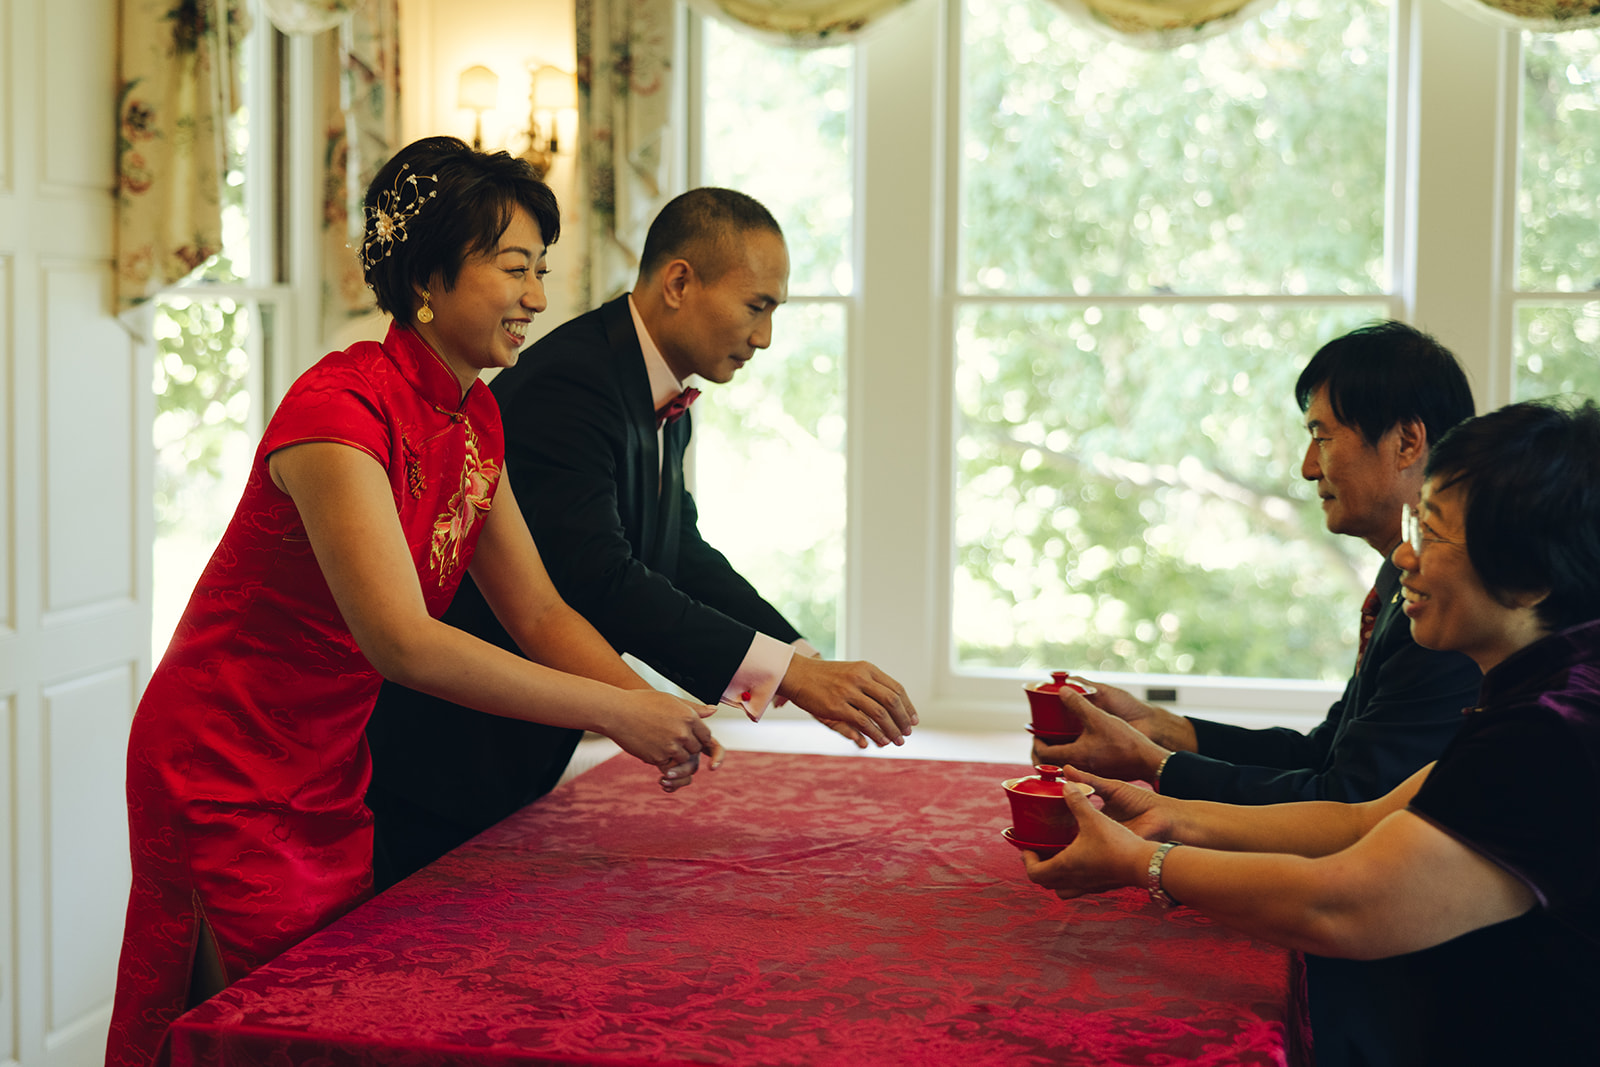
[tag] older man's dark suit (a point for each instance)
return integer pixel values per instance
(581, 454)
(1400, 708)
(1398, 711)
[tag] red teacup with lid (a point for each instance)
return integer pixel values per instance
(1040, 818)
(1052, 722)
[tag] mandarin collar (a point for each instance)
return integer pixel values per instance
(1528, 667)
(425, 371)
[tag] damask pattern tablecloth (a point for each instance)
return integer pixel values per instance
(783, 910)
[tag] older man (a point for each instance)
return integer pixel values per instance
(1375, 400)
(596, 419)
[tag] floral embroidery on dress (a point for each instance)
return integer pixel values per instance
(467, 505)
(415, 481)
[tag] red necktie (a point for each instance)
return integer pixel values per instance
(1369, 619)
(675, 407)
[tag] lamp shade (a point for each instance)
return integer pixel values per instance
(554, 89)
(309, 16)
(480, 89)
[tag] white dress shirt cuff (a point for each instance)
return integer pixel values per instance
(755, 683)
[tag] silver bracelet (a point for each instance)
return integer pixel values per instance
(1152, 880)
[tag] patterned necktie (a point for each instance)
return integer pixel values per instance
(1369, 619)
(675, 407)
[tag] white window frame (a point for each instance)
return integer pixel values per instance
(1451, 231)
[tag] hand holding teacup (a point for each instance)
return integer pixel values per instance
(1106, 744)
(1039, 820)
(1104, 854)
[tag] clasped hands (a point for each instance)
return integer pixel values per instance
(855, 699)
(670, 733)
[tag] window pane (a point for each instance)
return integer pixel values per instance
(1128, 480)
(777, 126)
(205, 436)
(232, 264)
(1559, 183)
(770, 471)
(1557, 350)
(1252, 162)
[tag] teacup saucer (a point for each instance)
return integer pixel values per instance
(1044, 851)
(1052, 739)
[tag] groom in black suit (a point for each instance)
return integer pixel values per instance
(596, 420)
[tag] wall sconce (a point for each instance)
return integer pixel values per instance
(479, 92)
(551, 90)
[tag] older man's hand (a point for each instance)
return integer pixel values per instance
(1167, 729)
(1108, 745)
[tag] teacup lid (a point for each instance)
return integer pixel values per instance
(1058, 681)
(1048, 782)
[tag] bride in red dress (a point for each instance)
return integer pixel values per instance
(376, 486)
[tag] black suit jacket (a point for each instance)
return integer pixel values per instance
(581, 453)
(1398, 711)
(582, 457)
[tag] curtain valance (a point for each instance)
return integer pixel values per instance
(1535, 16)
(1148, 23)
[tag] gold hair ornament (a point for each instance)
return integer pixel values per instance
(395, 210)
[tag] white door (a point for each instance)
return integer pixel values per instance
(74, 536)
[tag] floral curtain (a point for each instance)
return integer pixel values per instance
(361, 124)
(176, 87)
(624, 90)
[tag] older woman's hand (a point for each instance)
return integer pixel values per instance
(1147, 813)
(1106, 854)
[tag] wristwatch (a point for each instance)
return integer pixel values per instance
(1152, 880)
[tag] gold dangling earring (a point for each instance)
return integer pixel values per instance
(424, 313)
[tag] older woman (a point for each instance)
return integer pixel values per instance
(1483, 869)
(376, 486)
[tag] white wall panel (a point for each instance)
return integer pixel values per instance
(88, 433)
(9, 1053)
(78, 127)
(8, 36)
(86, 840)
(8, 480)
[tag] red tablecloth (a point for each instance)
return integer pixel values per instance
(783, 910)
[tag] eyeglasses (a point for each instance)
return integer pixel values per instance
(1411, 530)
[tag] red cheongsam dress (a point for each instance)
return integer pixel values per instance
(247, 762)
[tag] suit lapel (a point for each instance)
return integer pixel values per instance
(1388, 586)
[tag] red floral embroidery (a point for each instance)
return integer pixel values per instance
(467, 505)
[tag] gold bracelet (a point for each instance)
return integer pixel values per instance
(1152, 880)
(1161, 767)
